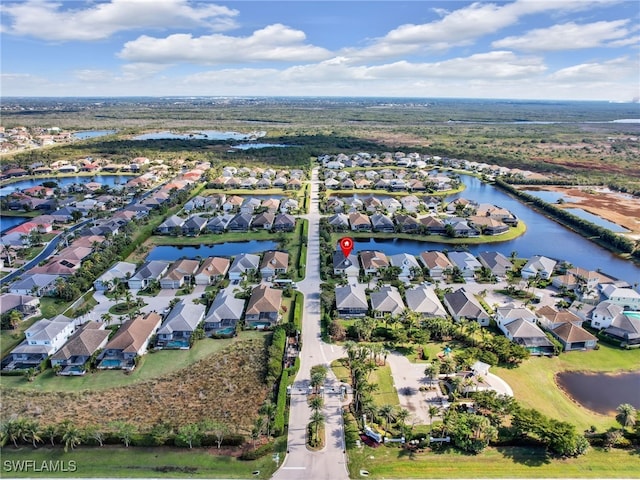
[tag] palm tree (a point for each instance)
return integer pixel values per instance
(317, 420)
(388, 412)
(316, 403)
(50, 432)
(256, 431)
(433, 412)
(432, 371)
(106, 318)
(32, 432)
(626, 415)
(71, 436)
(10, 432)
(401, 417)
(268, 409)
(472, 329)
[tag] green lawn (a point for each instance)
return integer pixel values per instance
(534, 386)
(386, 394)
(503, 462)
(137, 462)
(152, 365)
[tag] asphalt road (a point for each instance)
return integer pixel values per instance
(330, 462)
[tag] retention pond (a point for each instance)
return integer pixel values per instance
(601, 392)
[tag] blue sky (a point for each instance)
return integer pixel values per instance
(525, 49)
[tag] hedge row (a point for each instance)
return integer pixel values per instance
(281, 405)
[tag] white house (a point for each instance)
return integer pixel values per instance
(538, 265)
(627, 298)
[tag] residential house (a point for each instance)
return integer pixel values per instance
(212, 270)
(372, 261)
(240, 222)
(271, 205)
(38, 284)
(81, 346)
(224, 314)
(574, 337)
(437, 263)
(627, 298)
(488, 225)
(43, 338)
(406, 223)
(496, 262)
(407, 264)
(372, 204)
(347, 266)
(433, 225)
(250, 205)
(509, 313)
(528, 335)
(130, 341)
(386, 301)
(391, 205)
(219, 224)
(460, 227)
(194, 225)
(540, 266)
(180, 273)
(466, 262)
(289, 205)
(150, 271)
(550, 318)
(423, 300)
(245, 263)
(462, 304)
(339, 222)
(120, 271)
(171, 226)
(351, 300)
(232, 203)
(274, 263)
(177, 329)
(604, 313)
(284, 223)
(263, 309)
(382, 223)
(359, 222)
(625, 327)
(25, 304)
(410, 203)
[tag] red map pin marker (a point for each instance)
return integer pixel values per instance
(346, 244)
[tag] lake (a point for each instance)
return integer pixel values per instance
(9, 222)
(109, 180)
(84, 135)
(601, 392)
(199, 135)
(549, 197)
(230, 249)
(543, 237)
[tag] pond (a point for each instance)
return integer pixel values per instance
(171, 252)
(543, 237)
(247, 146)
(109, 180)
(199, 135)
(601, 392)
(549, 197)
(590, 217)
(84, 135)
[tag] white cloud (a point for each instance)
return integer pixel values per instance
(567, 36)
(49, 21)
(460, 27)
(276, 43)
(617, 68)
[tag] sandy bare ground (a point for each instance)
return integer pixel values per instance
(619, 208)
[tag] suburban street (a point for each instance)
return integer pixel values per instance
(330, 462)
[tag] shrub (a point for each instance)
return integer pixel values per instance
(259, 452)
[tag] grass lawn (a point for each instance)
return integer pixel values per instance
(152, 365)
(386, 394)
(502, 462)
(534, 385)
(138, 462)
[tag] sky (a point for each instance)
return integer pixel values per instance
(521, 49)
